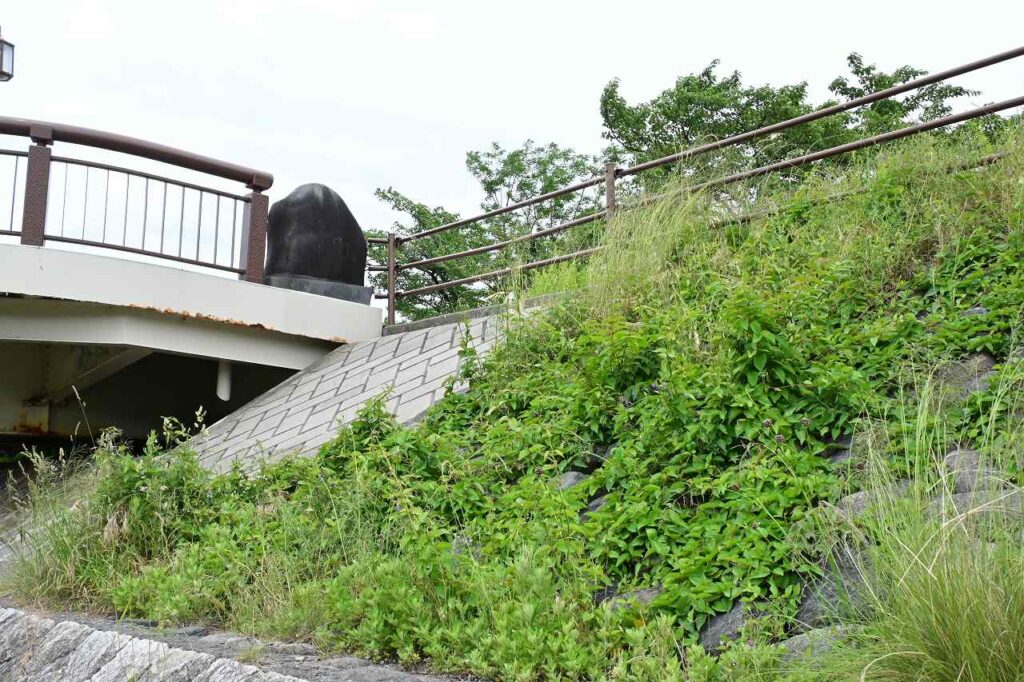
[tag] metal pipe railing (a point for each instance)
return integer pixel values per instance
(497, 273)
(827, 111)
(504, 209)
(612, 173)
(508, 242)
(255, 206)
(805, 159)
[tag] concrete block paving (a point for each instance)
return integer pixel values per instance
(304, 412)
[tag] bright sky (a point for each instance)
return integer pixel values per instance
(360, 94)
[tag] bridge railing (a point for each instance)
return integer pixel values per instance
(391, 264)
(96, 204)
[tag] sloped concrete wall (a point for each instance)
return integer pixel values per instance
(303, 413)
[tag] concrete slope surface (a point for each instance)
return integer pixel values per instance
(302, 413)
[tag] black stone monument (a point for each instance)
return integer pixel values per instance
(315, 244)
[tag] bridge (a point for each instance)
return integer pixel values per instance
(140, 294)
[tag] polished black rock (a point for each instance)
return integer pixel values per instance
(312, 233)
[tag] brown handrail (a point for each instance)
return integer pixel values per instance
(589, 218)
(44, 132)
(827, 111)
(728, 220)
(504, 209)
(254, 206)
(775, 210)
(494, 273)
(859, 144)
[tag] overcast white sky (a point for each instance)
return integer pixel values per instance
(360, 94)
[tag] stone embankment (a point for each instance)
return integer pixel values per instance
(79, 648)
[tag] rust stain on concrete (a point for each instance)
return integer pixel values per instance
(188, 315)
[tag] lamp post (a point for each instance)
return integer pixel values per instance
(6, 60)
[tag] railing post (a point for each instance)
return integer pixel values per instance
(254, 236)
(392, 275)
(609, 190)
(37, 182)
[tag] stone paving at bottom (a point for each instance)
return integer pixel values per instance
(76, 648)
(302, 413)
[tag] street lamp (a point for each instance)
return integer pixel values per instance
(6, 60)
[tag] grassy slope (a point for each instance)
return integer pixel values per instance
(709, 368)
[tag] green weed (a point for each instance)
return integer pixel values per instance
(700, 376)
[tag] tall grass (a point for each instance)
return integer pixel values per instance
(939, 593)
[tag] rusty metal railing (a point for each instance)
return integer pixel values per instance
(100, 205)
(394, 242)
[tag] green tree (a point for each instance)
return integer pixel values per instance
(506, 177)
(703, 107)
(510, 176)
(924, 104)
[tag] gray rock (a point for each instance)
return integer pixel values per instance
(981, 504)
(971, 374)
(190, 631)
(969, 473)
(226, 670)
(596, 504)
(979, 383)
(8, 614)
(313, 233)
(570, 479)
(812, 643)
(60, 643)
(839, 591)
(141, 622)
(178, 666)
(292, 648)
(132, 661)
(10, 627)
(599, 455)
(271, 676)
(640, 597)
(346, 662)
(92, 654)
(976, 310)
(231, 644)
(319, 672)
(857, 504)
(19, 639)
(44, 650)
(723, 627)
(841, 451)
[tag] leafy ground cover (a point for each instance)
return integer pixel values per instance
(699, 378)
